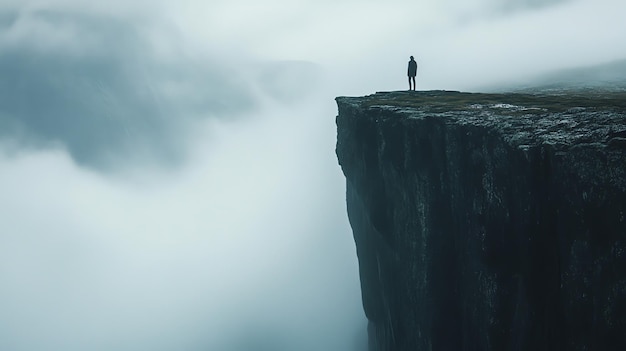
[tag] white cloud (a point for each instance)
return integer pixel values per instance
(89, 260)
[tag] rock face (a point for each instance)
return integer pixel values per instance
(488, 222)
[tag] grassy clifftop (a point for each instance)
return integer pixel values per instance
(442, 101)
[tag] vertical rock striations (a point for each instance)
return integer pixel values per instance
(488, 222)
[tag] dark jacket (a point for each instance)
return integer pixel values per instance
(412, 70)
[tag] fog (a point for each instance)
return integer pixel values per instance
(167, 170)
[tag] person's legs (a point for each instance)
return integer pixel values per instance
(412, 79)
(410, 83)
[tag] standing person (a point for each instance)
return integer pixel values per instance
(412, 72)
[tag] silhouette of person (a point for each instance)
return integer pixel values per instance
(412, 72)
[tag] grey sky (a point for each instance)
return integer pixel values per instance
(460, 44)
(241, 239)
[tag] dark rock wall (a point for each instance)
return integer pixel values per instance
(469, 240)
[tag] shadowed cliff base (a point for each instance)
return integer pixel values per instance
(488, 221)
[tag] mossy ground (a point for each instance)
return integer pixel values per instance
(443, 101)
(524, 120)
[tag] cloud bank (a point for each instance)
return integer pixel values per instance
(239, 250)
(159, 197)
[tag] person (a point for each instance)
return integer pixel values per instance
(412, 72)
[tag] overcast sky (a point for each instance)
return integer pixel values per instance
(167, 170)
(458, 43)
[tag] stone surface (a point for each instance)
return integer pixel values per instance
(488, 221)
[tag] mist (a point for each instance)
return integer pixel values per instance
(237, 246)
(167, 171)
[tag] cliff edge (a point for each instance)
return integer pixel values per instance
(488, 221)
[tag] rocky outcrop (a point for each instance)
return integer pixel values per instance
(488, 221)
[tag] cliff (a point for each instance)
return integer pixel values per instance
(488, 221)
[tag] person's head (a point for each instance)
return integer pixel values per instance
(411, 58)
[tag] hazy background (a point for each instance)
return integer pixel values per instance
(167, 170)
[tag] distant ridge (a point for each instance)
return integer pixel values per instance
(610, 76)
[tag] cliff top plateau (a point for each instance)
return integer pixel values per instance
(559, 121)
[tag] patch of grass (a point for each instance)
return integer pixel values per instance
(445, 101)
